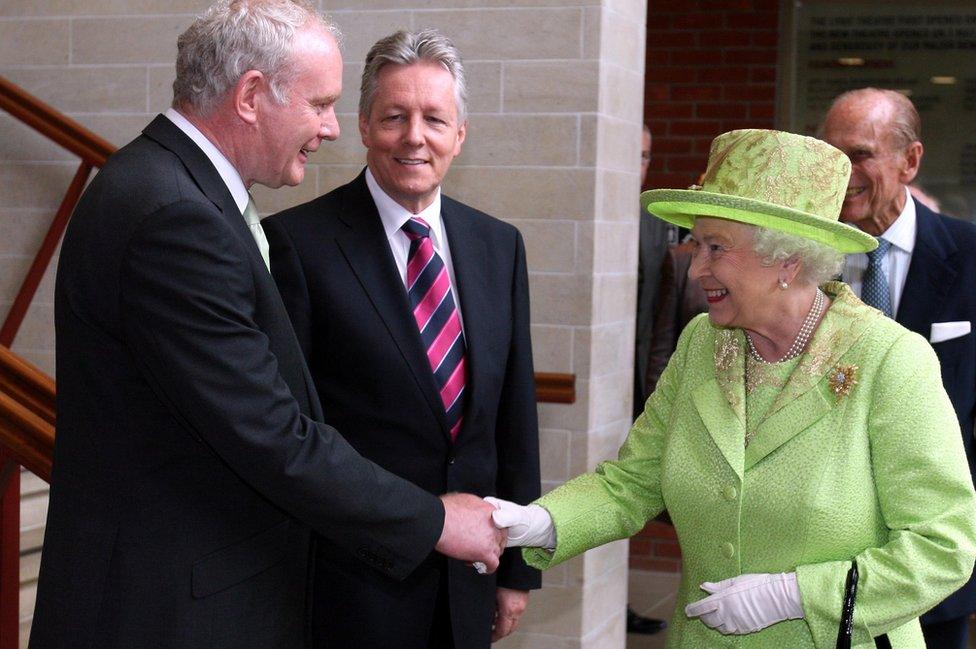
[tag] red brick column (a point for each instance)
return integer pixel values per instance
(711, 68)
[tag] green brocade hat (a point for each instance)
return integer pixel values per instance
(772, 179)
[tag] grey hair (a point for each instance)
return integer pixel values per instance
(905, 126)
(406, 48)
(234, 36)
(818, 262)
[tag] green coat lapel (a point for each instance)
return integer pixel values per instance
(807, 396)
(721, 401)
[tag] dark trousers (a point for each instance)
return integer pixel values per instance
(441, 636)
(951, 634)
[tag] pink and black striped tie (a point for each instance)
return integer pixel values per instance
(429, 290)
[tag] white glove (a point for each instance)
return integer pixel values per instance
(748, 603)
(528, 525)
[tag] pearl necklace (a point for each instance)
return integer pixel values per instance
(802, 336)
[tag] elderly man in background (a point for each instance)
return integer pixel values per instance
(413, 312)
(921, 274)
(190, 463)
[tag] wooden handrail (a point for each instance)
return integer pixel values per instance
(555, 388)
(54, 125)
(26, 414)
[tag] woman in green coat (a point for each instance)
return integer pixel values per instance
(795, 431)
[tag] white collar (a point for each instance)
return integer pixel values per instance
(393, 215)
(227, 172)
(901, 233)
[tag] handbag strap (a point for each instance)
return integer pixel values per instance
(846, 629)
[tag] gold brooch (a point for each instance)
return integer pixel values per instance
(842, 378)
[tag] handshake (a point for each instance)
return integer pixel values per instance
(478, 531)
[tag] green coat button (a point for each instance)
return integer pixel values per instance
(728, 550)
(730, 493)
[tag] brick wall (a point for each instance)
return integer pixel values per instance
(710, 68)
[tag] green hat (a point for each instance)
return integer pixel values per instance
(771, 179)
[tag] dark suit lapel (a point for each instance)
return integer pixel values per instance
(366, 249)
(163, 131)
(929, 276)
(469, 256)
(205, 175)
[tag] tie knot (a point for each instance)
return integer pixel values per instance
(416, 228)
(875, 256)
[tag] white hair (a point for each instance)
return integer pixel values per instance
(818, 262)
(234, 36)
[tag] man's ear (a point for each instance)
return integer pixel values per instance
(247, 92)
(912, 161)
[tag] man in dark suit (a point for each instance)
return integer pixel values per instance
(190, 464)
(922, 274)
(413, 312)
(655, 236)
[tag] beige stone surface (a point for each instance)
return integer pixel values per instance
(524, 193)
(618, 195)
(34, 42)
(554, 454)
(551, 87)
(616, 246)
(362, 27)
(117, 129)
(605, 600)
(160, 87)
(618, 144)
(510, 33)
(552, 347)
(623, 40)
(560, 298)
(514, 140)
(142, 39)
(26, 8)
(621, 89)
(85, 89)
(612, 346)
(484, 81)
(550, 244)
(23, 144)
(23, 231)
(614, 297)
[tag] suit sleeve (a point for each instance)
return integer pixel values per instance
(187, 294)
(925, 495)
(517, 428)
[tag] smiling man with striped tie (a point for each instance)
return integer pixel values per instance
(413, 312)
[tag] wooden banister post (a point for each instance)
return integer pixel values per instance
(43, 258)
(9, 553)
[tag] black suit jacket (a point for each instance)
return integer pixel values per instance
(941, 287)
(187, 468)
(340, 284)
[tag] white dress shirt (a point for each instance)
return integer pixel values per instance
(227, 172)
(393, 215)
(901, 234)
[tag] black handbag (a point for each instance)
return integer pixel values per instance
(847, 614)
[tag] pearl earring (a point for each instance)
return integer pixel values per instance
(783, 285)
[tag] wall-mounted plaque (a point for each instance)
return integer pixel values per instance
(927, 50)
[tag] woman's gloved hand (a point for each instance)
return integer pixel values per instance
(528, 525)
(748, 603)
